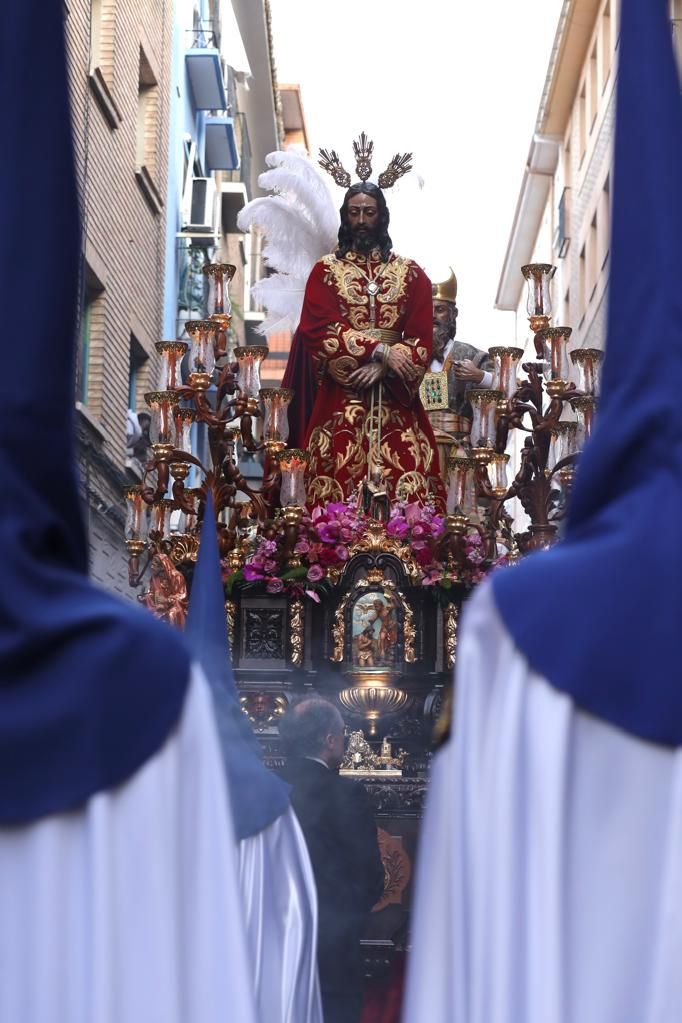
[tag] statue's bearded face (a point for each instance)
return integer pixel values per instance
(363, 220)
(444, 325)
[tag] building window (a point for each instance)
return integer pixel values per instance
(604, 224)
(147, 140)
(138, 358)
(102, 42)
(594, 89)
(91, 327)
(567, 307)
(676, 17)
(606, 44)
(582, 122)
(582, 280)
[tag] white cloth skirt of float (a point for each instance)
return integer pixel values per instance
(550, 869)
(278, 887)
(127, 910)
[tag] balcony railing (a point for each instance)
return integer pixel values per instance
(204, 36)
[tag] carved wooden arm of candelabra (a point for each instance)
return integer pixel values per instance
(450, 547)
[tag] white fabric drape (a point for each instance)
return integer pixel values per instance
(278, 887)
(128, 910)
(550, 869)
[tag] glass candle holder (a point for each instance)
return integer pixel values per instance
(585, 406)
(183, 419)
(564, 442)
(539, 298)
(554, 341)
(293, 463)
(249, 358)
(162, 429)
(219, 276)
(484, 405)
(589, 362)
(171, 353)
(462, 486)
(161, 513)
(497, 473)
(136, 524)
(276, 402)
(506, 360)
(202, 352)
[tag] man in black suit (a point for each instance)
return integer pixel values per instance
(341, 836)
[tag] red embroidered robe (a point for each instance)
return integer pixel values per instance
(336, 325)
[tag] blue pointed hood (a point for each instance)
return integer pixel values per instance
(258, 796)
(600, 615)
(90, 688)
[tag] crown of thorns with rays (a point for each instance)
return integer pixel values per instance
(363, 149)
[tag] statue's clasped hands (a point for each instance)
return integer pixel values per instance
(396, 362)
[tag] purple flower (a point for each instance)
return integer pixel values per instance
(398, 528)
(412, 514)
(328, 532)
(302, 547)
(341, 552)
(274, 585)
(268, 547)
(252, 573)
(315, 573)
(269, 566)
(418, 531)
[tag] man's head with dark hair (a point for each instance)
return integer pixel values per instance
(364, 221)
(313, 727)
(444, 325)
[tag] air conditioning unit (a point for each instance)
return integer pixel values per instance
(200, 217)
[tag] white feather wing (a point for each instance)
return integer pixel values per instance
(299, 225)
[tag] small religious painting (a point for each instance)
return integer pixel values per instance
(375, 631)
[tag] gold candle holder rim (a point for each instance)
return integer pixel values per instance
(185, 413)
(197, 326)
(165, 502)
(294, 453)
(583, 354)
(506, 350)
(481, 394)
(583, 401)
(261, 351)
(277, 392)
(461, 462)
(152, 397)
(214, 269)
(548, 333)
(232, 432)
(498, 457)
(530, 269)
(132, 490)
(171, 347)
(564, 426)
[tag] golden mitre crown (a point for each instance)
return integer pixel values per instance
(363, 149)
(445, 291)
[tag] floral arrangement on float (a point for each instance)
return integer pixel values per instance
(327, 537)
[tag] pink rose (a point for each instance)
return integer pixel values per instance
(302, 547)
(315, 573)
(341, 552)
(269, 566)
(418, 531)
(328, 556)
(274, 585)
(423, 556)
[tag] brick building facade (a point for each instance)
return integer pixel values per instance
(119, 58)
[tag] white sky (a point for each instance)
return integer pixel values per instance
(458, 83)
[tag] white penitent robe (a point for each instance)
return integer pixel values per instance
(127, 910)
(278, 887)
(550, 870)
